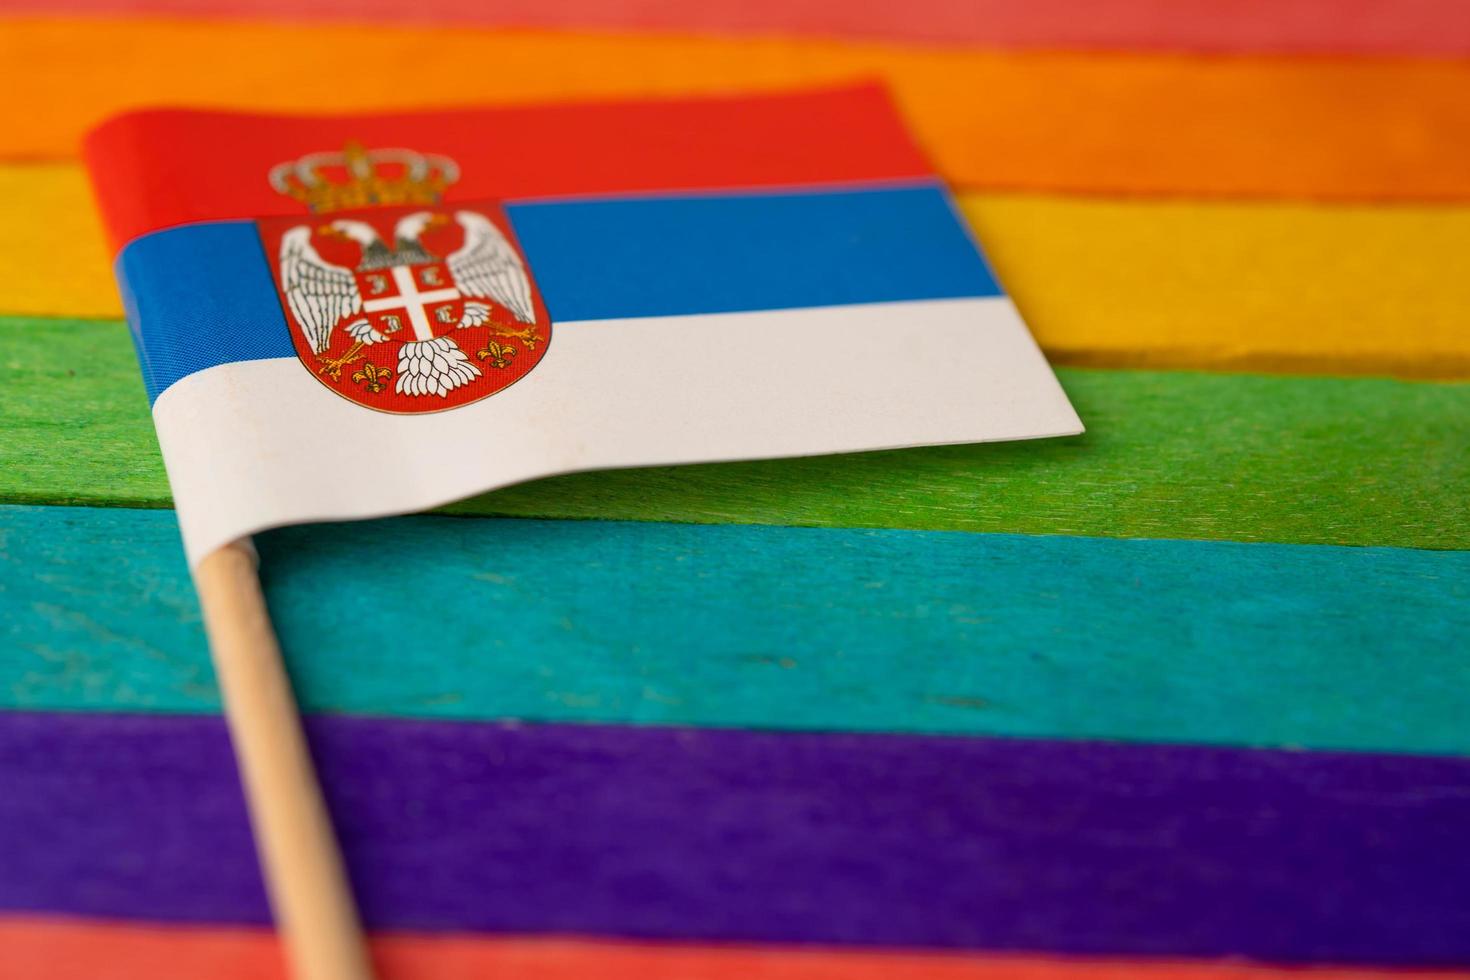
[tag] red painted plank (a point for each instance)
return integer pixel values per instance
(40, 949)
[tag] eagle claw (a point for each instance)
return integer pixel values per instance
(332, 366)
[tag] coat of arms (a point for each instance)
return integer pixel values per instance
(395, 301)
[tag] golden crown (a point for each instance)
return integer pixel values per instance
(359, 178)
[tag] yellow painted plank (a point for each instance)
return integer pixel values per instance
(1038, 121)
(53, 256)
(1269, 287)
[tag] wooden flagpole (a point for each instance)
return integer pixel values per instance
(303, 867)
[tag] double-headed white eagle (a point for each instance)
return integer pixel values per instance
(322, 295)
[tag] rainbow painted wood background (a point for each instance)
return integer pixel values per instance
(1186, 697)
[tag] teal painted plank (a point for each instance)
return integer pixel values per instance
(766, 627)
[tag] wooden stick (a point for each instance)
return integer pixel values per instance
(303, 867)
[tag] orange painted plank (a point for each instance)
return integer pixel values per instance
(1121, 123)
(34, 949)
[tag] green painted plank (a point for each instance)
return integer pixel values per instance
(1167, 455)
(74, 422)
(767, 627)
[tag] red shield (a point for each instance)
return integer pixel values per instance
(409, 309)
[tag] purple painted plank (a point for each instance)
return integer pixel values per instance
(728, 835)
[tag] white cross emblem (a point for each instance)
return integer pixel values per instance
(411, 298)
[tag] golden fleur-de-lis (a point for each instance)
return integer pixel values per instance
(374, 378)
(498, 354)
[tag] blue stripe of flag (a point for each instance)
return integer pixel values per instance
(202, 295)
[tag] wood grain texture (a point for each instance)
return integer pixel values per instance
(1167, 455)
(1272, 287)
(63, 949)
(1316, 128)
(765, 627)
(75, 427)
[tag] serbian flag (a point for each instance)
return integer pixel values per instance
(357, 316)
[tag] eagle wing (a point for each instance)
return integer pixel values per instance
(321, 295)
(487, 266)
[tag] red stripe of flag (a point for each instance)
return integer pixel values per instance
(157, 169)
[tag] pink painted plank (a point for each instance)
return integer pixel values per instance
(1376, 27)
